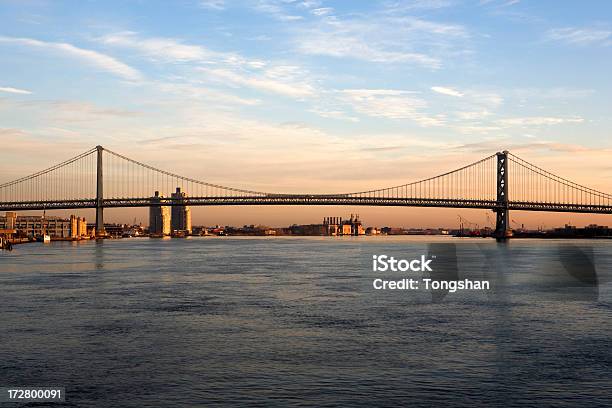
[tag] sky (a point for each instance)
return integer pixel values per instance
(310, 96)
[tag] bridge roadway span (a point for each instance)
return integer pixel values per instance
(308, 199)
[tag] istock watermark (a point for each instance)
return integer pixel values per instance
(385, 263)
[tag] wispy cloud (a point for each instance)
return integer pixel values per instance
(72, 119)
(395, 7)
(162, 49)
(539, 121)
(322, 11)
(14, 90)
(223, 68)
(171, 50)
(558, 93)
(507, 143)
(381, 38)
(499, 3)
(93, 58)
(276, 9)
(473, 115)
(581, 36)
(334, 114)
(446, 91)
(263, 82)
(387, 35)
(338, 45)
(193, 91)
(390, 104)
(213, 4)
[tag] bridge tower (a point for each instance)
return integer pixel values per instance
(100, 195)
(501, 224)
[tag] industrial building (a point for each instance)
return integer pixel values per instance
(337, 226)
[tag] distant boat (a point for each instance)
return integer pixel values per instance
(45, 238)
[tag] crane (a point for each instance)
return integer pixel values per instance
(518, 226)
(489, 220)
(464, 221)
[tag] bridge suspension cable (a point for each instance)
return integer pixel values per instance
(125, 177)
(71, 179)
(532, 185)
(475, 181)
(126, 182)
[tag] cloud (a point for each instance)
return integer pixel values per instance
(94, 58)
(64, 111)
(381, 38)
(230, 69)
(484, 99)
(198, 92)
(340, 46)
(334, 114)
(473, 115)
(446, 91)
(12, 134)
(309, 4)
(471, 129)
(277, 11)
(499, 3)
(580, 36)
(170, 50)
(162, 49)
(266, 82)
(409, 6)
(559, 93)
(15, 90)
(213, 4)
(488, 146)
(322, 11)
(539, 121)
(390, 104)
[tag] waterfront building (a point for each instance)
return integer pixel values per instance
(11, 220)
(159, 217)
(181, 214)
(114, 230)
(308, 229)
(37, 225)
(372, 231)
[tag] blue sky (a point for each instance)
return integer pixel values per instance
(231, 91)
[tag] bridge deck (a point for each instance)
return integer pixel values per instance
(308, 200)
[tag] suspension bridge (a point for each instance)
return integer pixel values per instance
(100, 178)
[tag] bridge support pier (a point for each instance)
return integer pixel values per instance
(100, 232)
(502, 232)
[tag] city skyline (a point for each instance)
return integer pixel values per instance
(310, 96)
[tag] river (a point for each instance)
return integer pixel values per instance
(263, 321)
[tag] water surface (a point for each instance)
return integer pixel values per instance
(295, 321)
